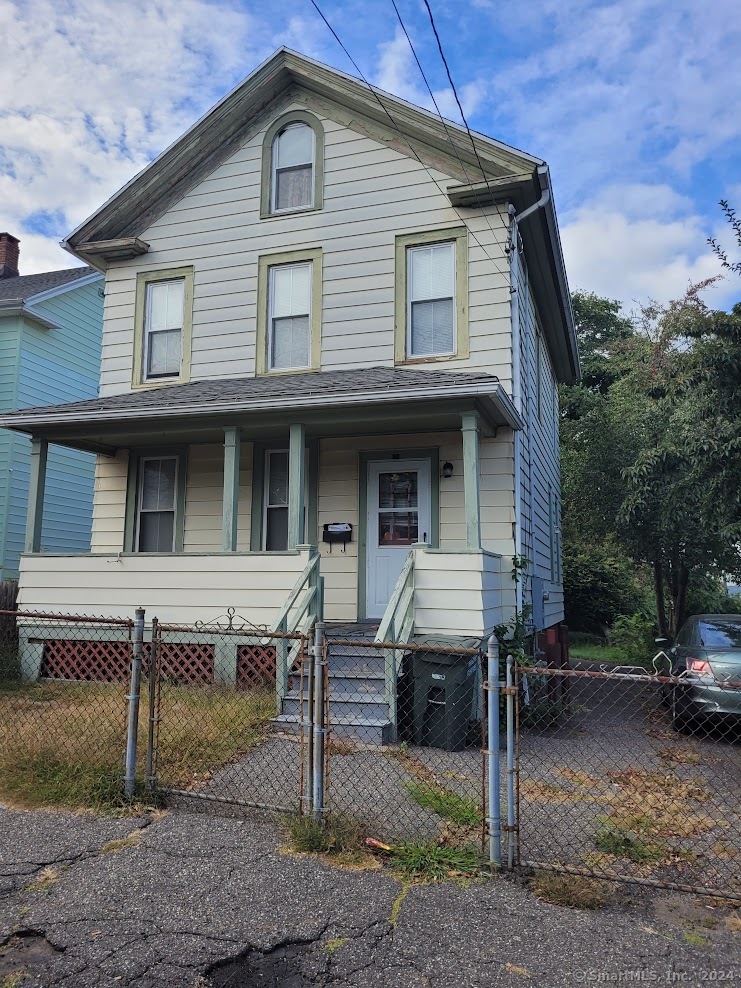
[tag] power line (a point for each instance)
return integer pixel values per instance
(395, 125)
(455, 92)
(445, 126)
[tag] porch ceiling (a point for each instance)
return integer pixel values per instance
(376, 400)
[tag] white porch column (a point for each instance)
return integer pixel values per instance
(231, 488)
(296, 485)
(34, 518)
(470, 430)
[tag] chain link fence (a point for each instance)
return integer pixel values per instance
(613, 783)
(63, 707)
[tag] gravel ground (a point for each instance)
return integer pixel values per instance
(197, 900)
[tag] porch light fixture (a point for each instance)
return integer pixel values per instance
(447, 469)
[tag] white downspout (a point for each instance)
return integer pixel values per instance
(514, 267)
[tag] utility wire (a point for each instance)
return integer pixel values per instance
(395, 125)
(455, 92)
(445, 126)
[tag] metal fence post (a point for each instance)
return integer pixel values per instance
(494, 814)
(133, 698)
(318, 718)
(510, 700)
(153, 690)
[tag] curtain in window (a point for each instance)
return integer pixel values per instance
(157, 505)
(290, 305)
(293, 161)
(432, 305)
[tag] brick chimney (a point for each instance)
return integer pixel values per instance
(9, 251)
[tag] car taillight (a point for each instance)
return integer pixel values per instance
(700, 667)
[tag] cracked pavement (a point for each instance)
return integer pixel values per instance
(200, 900)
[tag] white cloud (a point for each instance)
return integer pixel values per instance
(95, 95)
(636, 242)
(399, 74)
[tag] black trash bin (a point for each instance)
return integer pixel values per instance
(443, 699)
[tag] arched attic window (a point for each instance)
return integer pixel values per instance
(293, 165)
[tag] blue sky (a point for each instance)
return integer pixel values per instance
(633, 104)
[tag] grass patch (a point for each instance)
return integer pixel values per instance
(339, 837)
(604, 653)
(573, 891)
(121, 843)
(696, 939)
(429, 861)
(335, 944)
(13, 980)
(622, 842)
(62, 744)
(45, 879)
(446, 804)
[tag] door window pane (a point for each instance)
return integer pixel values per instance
(397, 527)
(397, 490)
(398, 515)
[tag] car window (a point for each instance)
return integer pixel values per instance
(684, 635)
(721, 633)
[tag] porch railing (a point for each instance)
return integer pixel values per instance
(303, 607)
(397, 625)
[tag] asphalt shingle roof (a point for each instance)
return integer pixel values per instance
(253, 390)
(26, 286)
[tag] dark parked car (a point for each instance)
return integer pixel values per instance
(706, 658)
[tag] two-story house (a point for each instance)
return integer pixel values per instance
(50, 338)
(333, 331)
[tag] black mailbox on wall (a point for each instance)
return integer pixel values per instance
(337, 532)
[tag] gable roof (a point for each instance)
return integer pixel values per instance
(226, 125)
(27, 286)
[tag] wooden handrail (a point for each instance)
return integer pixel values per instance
(388, 619)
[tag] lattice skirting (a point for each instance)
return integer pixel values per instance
(96, 661)
(255, 665)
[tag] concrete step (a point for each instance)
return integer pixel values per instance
(370, 730)
(353, 705)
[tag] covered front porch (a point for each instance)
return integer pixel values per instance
(250, 493)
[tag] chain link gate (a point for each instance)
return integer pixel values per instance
(217, 728)
(607, 788)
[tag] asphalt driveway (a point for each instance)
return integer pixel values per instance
(197, 900)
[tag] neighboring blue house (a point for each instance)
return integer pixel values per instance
(50, 341)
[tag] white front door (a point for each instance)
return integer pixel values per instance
(398, 516)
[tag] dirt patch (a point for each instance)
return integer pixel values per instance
(25, 952)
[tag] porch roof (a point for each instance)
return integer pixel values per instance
(329, 402)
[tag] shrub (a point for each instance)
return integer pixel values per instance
(634, 635)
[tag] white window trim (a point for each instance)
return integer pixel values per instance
(139, 492)
(439, 353)
(271, 298)
(148, 378)
(274, 170)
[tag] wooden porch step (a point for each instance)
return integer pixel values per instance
(369, 729)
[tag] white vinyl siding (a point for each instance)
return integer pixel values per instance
(372, 192)
(431, 302)
(292, 181)
(289, 306)
(163, 329)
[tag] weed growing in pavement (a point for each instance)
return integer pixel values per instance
(617, 840)
(341, 837)
(46, 878)
(569, 890)
(121, 843)
(337, 943)
(429, 861)
(446, 804)
(13, 980)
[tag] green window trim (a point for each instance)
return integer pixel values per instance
(264, 263)
(259, 457)
(458, 235)
(132, 491)
(293, 116)
(143, 279)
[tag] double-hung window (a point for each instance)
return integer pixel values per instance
(162, 328)
(431, 305)
(292, 184)
(289, 331)
(164, 309)
(157, 503)
(431, 291)
(275, 494)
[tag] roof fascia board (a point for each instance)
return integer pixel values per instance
(225, 126)
(69, 286)
(19, 307)
(25, 421)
